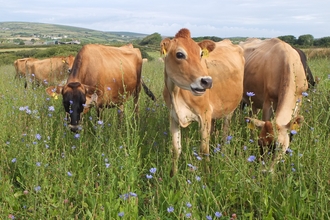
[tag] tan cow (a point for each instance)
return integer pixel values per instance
(101, 75)
(50, 71)
(21, 66)
(274, 81)
(203, 81)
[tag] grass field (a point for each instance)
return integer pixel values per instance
(112, 171)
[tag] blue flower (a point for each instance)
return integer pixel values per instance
(188, 215)
(251, 158)
(188, 204)
(77, 136)
(192, 166)
(208, 217)
(218, 214)
(293, 132)
(153, 170)
(13, 160)
(69, 173)
(51, 108)
(100, 122)
(38, 164)
(170, 209)
(149, 176)
(304, 94)
(198, 178)
(38, 136)
(121, 214)
(250, 94)
(107, 165)
(37, 188)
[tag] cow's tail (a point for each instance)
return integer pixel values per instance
(148, 91)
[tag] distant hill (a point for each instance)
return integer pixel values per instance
(41, 31)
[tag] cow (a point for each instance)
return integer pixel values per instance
(50, 71)
(21, 66)
(274, 81)
(308, 72)
(103, 76)
(203, 82)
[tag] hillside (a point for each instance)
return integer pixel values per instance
(45, 32)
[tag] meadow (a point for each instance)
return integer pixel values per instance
(113, 170)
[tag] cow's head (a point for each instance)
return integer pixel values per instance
(77, 99)
(69, 60)
(272, 133)
(183, 62)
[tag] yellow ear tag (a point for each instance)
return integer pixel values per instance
(164, 51)
(251, 126)
(63, 61)
(295, 126)
(205, 52)
(54, 95)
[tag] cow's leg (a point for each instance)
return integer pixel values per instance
(205, 141)
(176, 142)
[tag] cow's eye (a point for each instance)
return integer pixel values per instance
(180, 55)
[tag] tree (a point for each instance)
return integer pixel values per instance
(290, 39)
(153, 39)
(306, 40)
(322, 42)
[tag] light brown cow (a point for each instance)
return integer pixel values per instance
(101, 75)
(21, 66)
(50, 71)
(274, 81)
(203, 81)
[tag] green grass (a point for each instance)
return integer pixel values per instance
(46, 172)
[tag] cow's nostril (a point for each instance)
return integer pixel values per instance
(206, 82)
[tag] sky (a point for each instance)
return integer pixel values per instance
(232, 18)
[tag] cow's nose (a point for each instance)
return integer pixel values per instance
(206, 82)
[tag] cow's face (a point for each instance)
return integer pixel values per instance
(74, 99)
(183, 62)
(272, 134)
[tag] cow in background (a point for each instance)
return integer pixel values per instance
(103, 76)
(21, 66)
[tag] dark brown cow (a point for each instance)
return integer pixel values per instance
(274, 81)
(308, 72)
(50, 71)
(203, 82)
(101, 75)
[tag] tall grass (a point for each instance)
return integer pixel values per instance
(121, 171)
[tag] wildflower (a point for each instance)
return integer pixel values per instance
(293, 169)
(38, 164)
(121, 214)
(244, 147)
(192, 166)
(73, 147)
(69, 173)
(251, 158)
(133, 194)
(170, 209)
(217, 149)
(107, 165)
(188, 181)
(37, 188)
(250, 94)
(188, 204)
(149, 176)
(38, 136)
(51, 108)
(208, 217)
(100, 122)
(198, 158)
(188, 215)
(108, 88)
(11, 216)
(293, 132)
(77, 136)
(229, 138)
(71, 102)
(13, 160)
(304, 94)
(218, 214)
(198, 178)
(153, 170)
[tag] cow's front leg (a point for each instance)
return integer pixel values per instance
(176, 142)
(205, 141)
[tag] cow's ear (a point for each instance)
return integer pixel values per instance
(164, 46)
(296, 123)
(207, 47)
(254, 123)
(53, 91)
(90, 90)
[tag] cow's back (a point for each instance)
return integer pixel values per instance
(108, 69)
(226, 67)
